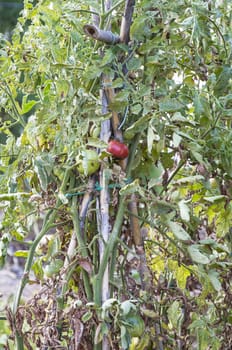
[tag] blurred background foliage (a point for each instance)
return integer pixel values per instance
(9, 11)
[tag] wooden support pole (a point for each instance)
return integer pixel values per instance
(105, 36)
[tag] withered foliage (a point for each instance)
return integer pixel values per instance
(43, 322)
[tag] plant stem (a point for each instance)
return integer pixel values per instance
(107, 13)
(15, 109)
(82, 246)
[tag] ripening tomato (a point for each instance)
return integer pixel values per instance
(118, 149)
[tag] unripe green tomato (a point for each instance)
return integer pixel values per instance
(87, 162)
(95, 131)
(53, 268)
(136, 325)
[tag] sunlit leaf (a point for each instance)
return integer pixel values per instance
(178, 231)
(196, 254)
(21, 253)
(170, 105)
(175, 314)
(214, 278)
(184, 210)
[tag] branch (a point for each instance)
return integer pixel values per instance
(126, 21)
(83, 212)
(104, 36)
(134, 222)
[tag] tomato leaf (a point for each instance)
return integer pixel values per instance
(196, 255)
(178, 231)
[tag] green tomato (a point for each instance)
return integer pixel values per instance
(135, 325)
(53, 268)
(95, 131)
(87, 162)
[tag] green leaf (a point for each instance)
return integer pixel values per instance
(181, 275)
(150, 139)
(139, 27)
(43, 165)
(127, 306)
(96, 142)
(14, 196)
(175, 315)
(131, 188)
(149, 313)
(137, 127)
(170, 105)
(62, 87)
(196, 255)
(178, 117)
(38, 268)
(134, 63)
(222, 82)
(178, 231)
(190, 179)
(27, 105)
(125, 339)
(184, 210)
(108, 58)
(176, 139)
(21, 253)
(214, 279)
(202, 107)
(213, 199)
(87, 316)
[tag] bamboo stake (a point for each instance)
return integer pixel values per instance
(126, 21)
(105, 36)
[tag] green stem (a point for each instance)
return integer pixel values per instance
(15, 109)
(86, 11)
(180, 165)
(220, 34)
(102, 7)
(106, 14)
(81, 246)
(97, 281)
(111, 272)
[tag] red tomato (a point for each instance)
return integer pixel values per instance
(118, 149)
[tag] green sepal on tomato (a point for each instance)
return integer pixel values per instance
(118, 149)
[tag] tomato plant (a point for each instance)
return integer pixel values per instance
(157, 247)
